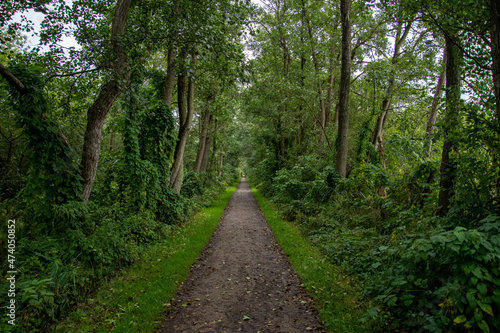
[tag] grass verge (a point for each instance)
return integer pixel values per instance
(337, 297)
(135, 300)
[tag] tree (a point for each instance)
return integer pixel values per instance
(495, 51)
(447, 169)
(107, 96)
(186, 111)
(205, 139)
(345, 82)
(433, 112)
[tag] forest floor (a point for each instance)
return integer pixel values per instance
(242, 281)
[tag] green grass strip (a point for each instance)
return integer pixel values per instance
(336, 296)
(136, 300)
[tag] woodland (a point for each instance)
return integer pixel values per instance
(373, 125)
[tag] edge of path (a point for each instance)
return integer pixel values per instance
(136, 300)
(339, 301)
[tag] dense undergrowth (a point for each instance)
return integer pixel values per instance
(427, 273)
(59, 271)
(135, 299)
(64, 248)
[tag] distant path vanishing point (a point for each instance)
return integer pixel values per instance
(242, 281)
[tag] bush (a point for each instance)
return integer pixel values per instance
(447, 280)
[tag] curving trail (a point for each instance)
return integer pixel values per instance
(242, 281)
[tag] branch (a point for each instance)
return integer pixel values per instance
(360, 42)
(75, 73)
(14, 81)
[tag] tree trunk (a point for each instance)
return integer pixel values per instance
(214, 146)
(331, 84)
(317, 72)
(345, 82)
(208, 142)
(434, 108)
(107, 96)
(447, 169)
(495, 51)
(220, 162)
(185, 122)
(177, 186)
(203, 140)
(168, 90)
(13, 81)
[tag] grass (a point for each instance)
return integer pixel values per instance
(136, 300)
(337, 297)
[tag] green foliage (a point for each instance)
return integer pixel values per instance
(444, 280)
(141, 301)
(426, 273)
(142, 173)
(131, 208)
(54, 178)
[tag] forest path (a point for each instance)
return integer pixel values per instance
(242, 281)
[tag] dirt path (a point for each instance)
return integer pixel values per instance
(242, 282)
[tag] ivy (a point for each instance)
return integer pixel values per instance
(54, 177)
(149, 142)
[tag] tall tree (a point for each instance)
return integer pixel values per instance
(185, 119)
(345, 82)
(107, 96)
(168, 90)
(495, 51)
(431, 122)
(205, 139)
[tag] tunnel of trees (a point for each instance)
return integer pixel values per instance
(373, 125)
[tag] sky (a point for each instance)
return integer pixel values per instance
(36, 18)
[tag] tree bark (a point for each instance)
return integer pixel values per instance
(13, 81)
(447, 169)
(220, 162)
(185, 122)
(495, 51)
(208, 142)
(434, 108)
(202, 140)
(168, 90)
(331, 83)
(107, 96)
(345, 82)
